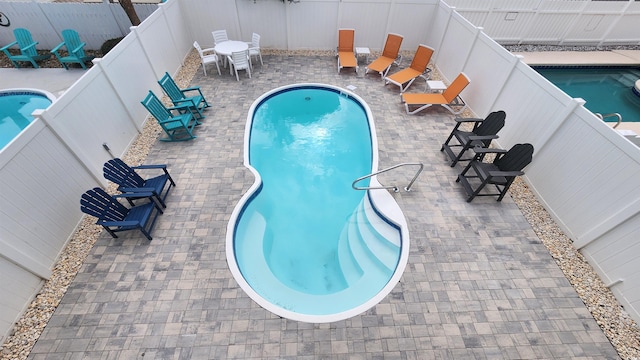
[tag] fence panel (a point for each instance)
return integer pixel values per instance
(267, 18)
(95, 22)
(554, 22)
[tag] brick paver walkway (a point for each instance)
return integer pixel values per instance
(479, 283)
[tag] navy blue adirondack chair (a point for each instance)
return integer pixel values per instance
(27, 47)
(177, 122)
(115, 217)
(129, 181)
(75, 49)
(196, 102)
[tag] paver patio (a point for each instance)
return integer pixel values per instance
(479, 284)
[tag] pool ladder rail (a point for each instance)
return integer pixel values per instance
(602, 117)
(394, 188)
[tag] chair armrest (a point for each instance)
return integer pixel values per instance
(169, 121)
(32, 45)
(55, 49)
(180, 108)
(118, 223)
(506, 173)
(483, 137)
(136, 192)
(8, 46)
(78, 48)
(177, 103)
(154, 166)
(481, 150)
(461, 120)
(192, 88)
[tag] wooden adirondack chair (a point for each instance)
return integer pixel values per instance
(27, 46)
(129, 181)
(75, 50)
(196, 102)
(115, 217)
(177, 121)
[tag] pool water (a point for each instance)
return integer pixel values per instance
(298, 239)
(15, 112)
(606, 90)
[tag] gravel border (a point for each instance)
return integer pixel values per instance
(615, 322)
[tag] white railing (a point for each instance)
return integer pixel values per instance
(583, 171)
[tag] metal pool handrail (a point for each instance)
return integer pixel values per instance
(395, 188)
(610, 115)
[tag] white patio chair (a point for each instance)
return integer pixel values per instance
(207, 56)
(219, 36)
(239, 60)
(254, 48)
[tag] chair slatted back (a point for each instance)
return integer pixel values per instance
(171, 88)
(492, 124)
(421, 58)
(519, 156)
(255, 40)
(219, 36)
(199, 48)
(156, 107)
(346, 40)
(24, 39)
(456, 87)
(96, 202)
(240, 60)
(118, 172)
(73, 43)
(392, 46)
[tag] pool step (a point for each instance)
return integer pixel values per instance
(364, 250)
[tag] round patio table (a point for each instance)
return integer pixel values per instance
(226, 48)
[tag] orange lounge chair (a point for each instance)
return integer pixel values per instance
(390, 55)
(346, 55)
(418, 68)
(449, 98)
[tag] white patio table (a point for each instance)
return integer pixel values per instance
(226, 48)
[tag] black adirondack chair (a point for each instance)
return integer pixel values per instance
(500, 173)
(484, 130)
(115, 217)
(129, 181)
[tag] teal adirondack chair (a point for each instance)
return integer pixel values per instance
(177, 121)
(197, 103)
(27, 48)
(74, 47)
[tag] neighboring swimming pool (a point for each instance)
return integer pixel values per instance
(605, 89)
(302, 242)
(16, 106)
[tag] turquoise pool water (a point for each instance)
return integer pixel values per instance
(306, 243)
(15, 112)
(605, 90)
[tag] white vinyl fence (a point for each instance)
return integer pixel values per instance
(583, 172)
(553, 22)
(95, 22)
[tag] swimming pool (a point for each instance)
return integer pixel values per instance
(606, 90)
(16, 106)
(302, 242)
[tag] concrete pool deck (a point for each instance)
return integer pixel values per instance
(479, 283)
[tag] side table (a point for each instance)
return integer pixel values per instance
(363, 51)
